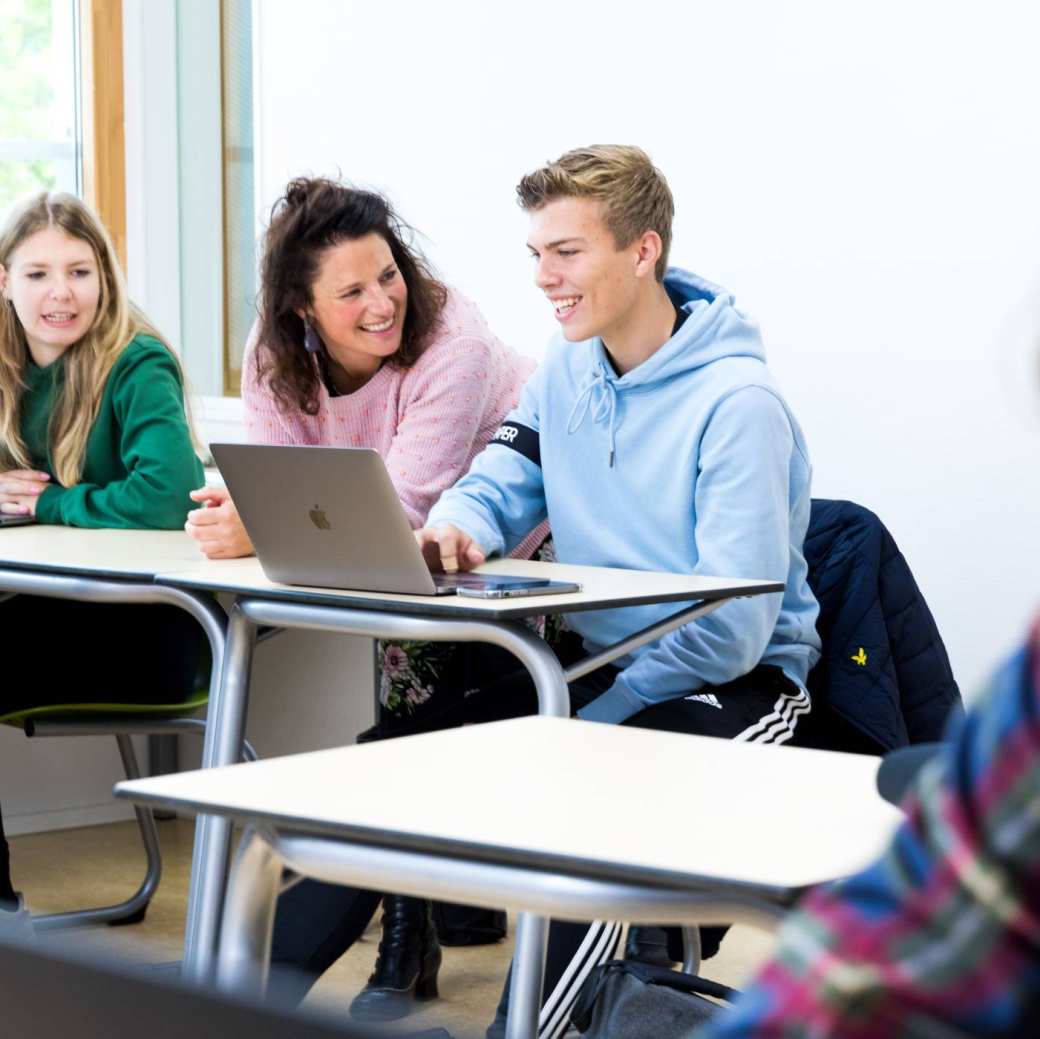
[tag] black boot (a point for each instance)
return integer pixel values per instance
(650, 945)
(406, 969)
(663, 946)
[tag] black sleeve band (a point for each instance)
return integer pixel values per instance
(519, 438)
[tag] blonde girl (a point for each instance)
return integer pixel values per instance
(93, 433)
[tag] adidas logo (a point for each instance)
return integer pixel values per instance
(707, 698)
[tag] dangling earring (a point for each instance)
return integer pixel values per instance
(311, 340)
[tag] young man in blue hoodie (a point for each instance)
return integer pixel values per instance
(653, 437)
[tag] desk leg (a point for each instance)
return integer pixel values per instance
(243, 964)
(212, 839)
(525, 986)
(163, 754)
(532, 932)
(225, 725)
(542, 664)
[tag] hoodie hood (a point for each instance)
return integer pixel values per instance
(714, 329)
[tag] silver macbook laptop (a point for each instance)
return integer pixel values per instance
(330, 517)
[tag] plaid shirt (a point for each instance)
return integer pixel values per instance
(940, 937)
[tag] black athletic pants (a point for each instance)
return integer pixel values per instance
(316, 923)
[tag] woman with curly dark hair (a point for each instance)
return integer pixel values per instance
(360, 345)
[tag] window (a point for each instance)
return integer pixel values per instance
(164, 156)
(40, 133)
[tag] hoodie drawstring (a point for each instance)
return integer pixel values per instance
(600, 396)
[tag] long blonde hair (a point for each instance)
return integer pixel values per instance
(88, 362)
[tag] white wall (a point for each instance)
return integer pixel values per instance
(862, 176)
(56, 783)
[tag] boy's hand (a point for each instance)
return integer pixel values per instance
(447, 548)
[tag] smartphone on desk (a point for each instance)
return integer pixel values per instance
(488, 586)
(13, 520)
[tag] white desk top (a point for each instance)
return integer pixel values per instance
(552, 792)
(601, 588)
(97, 553)
(173, 558)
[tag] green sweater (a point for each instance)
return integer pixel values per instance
(139, 464)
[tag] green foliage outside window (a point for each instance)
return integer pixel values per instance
(26, 94)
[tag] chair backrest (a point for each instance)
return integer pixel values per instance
(884, 678)
(900, 768)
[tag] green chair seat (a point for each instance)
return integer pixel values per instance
(120, 710)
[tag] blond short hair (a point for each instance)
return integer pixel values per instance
(635, 195)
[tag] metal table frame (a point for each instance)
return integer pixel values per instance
(227, 714)
(537, 894)
(232, 640)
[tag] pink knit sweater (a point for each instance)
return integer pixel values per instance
(428, 422)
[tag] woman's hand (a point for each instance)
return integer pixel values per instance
(20, 489)
(217, 527)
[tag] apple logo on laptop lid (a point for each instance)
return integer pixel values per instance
(318, 518)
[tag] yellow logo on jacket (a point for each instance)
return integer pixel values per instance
(860, 657)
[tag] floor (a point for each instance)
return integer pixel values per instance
(109, 864)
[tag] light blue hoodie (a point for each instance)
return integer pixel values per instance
(690, 463)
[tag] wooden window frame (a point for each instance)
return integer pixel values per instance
(104, 143)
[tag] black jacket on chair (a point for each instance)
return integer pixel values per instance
(884, 679)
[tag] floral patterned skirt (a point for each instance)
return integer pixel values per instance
(422, 681)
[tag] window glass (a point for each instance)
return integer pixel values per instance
(39, 111)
